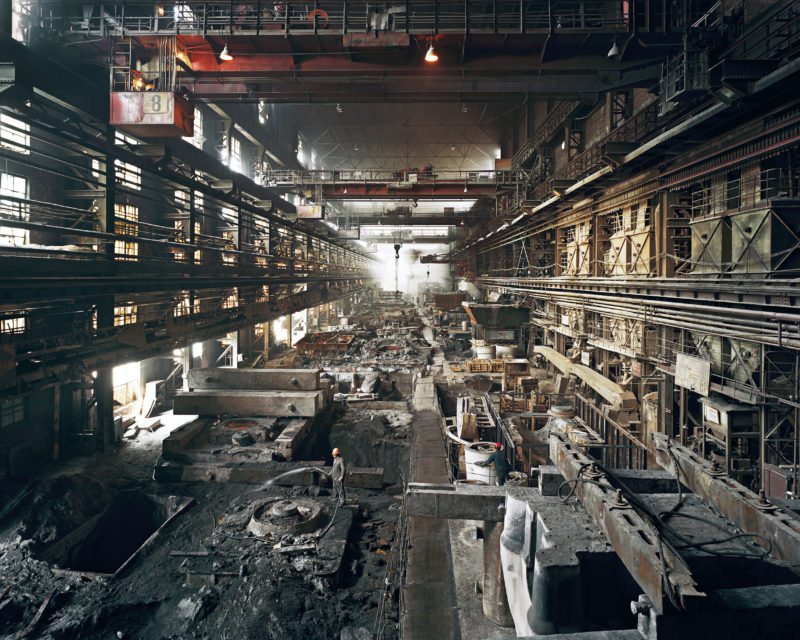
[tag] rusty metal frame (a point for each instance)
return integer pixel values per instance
(741, 506)
(635, 540)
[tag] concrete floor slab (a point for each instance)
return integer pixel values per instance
(429, 593)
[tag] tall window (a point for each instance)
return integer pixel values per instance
(12, 325)
(199, 197)
(181, 200)
(236, 154)
(14, 134)
(12, 209)
(128, 175)
(12, 411)
(125, 314)
(197, 138)
(184, 307)
(231, 301)
(127, 218)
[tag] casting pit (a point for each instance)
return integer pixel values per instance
(281, 517)
(105, 543)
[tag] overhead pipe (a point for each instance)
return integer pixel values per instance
(633, 311)
(768, 315)
(717, 328)
(721, 329)
(636, 308)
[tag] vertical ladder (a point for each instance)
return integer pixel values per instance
(120, 64)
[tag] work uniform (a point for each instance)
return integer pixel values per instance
(501, 468)
(337, 476)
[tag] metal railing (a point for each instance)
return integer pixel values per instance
(400, 177)
(636, 129)
(544, 401)
(776, 36)
(543, 132)
(621, 448)
(417, 17)
(743, 192)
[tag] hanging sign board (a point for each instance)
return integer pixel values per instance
(692, 373)
(311, 211)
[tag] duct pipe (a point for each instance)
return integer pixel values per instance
(611, 391)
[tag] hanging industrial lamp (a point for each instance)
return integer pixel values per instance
(225, 54)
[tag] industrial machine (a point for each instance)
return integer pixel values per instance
(730, 437)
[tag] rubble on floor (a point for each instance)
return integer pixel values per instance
(196, 557)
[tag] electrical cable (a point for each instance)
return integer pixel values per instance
(664, 528)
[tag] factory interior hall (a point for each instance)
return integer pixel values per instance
(405, 320)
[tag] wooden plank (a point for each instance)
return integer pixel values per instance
(35, 621)
(154, 535)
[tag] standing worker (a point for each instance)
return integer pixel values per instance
(337, 475)
(498, 459)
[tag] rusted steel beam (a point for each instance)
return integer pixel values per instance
(741, 506)
(635, 541)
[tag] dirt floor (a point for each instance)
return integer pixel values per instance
(204, 575)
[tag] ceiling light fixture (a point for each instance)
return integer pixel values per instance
(452, 147)
(339, 108)
(355, 147)
(465, 188)
(463, 107)
(225, 54)
(614, 50)
(431, 55)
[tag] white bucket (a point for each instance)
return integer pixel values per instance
(487, 352)
(504, 350)
(479, 452)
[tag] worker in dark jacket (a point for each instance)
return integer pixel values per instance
(337, 476)
(498, 459)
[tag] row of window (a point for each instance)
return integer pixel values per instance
(14, 135)
(123, 315)
(12, 411)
